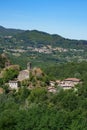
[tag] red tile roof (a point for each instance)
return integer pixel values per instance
(72, 79)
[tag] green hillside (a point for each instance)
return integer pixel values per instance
(7, 31)
(40, 48)
(35, 107)
(35, 37)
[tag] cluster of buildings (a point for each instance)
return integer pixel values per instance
(66, 84)
(42, 50)
(48, 49)
(23, 75)
(69, 83)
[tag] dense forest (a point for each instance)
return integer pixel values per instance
(38, 109)
(72, 69)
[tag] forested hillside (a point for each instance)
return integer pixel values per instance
(40, 47)
(8, 31)
(38, 109)
(3, 60)
(32, 106)
(62, 71)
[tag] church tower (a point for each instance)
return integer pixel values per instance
(7, 63)
(29, 66)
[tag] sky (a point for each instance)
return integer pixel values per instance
(67, 18)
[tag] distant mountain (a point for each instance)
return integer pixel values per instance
(40, 47)
(8, 31)
(39, 38)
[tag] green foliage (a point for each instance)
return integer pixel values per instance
(8, 32)
(61, 111)
(62, 71)
(1, 81)
(70, 101)
(22, 95)
(9, 74)
(37, 109)
(38, 95)
(20, 40)
(2, 61)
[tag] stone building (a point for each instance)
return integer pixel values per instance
(13, 84)
(23, 75)
(69, 83)
(7, 63)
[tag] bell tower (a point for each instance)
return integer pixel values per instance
(29, 66)
(7, 63)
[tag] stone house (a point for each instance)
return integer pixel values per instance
(13, 84)
(23, 75)
(52, 83)
(52, 89)
(69, 83)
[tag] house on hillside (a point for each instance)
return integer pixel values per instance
(69, 83)
(57, 82)
(52, 89)
(52, 83)
(7, 64)
(23, 75)
(13, 84)
(72, 80)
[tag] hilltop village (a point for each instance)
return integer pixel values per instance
(14, 79)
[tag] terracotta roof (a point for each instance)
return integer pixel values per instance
(58, 81)
(52, 89)
(72, 79)
(13, 81)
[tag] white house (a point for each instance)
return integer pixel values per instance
(23, 75)
(13, 84)
(52, 83)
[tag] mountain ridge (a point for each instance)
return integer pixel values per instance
(12, 31)
(41, 48)
(5, 30)
(37, 38)
(9, 31)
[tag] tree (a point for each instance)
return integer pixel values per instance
(10, 74)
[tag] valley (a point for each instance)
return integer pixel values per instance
(40, 47)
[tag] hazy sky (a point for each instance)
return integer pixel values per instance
(67, 18)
